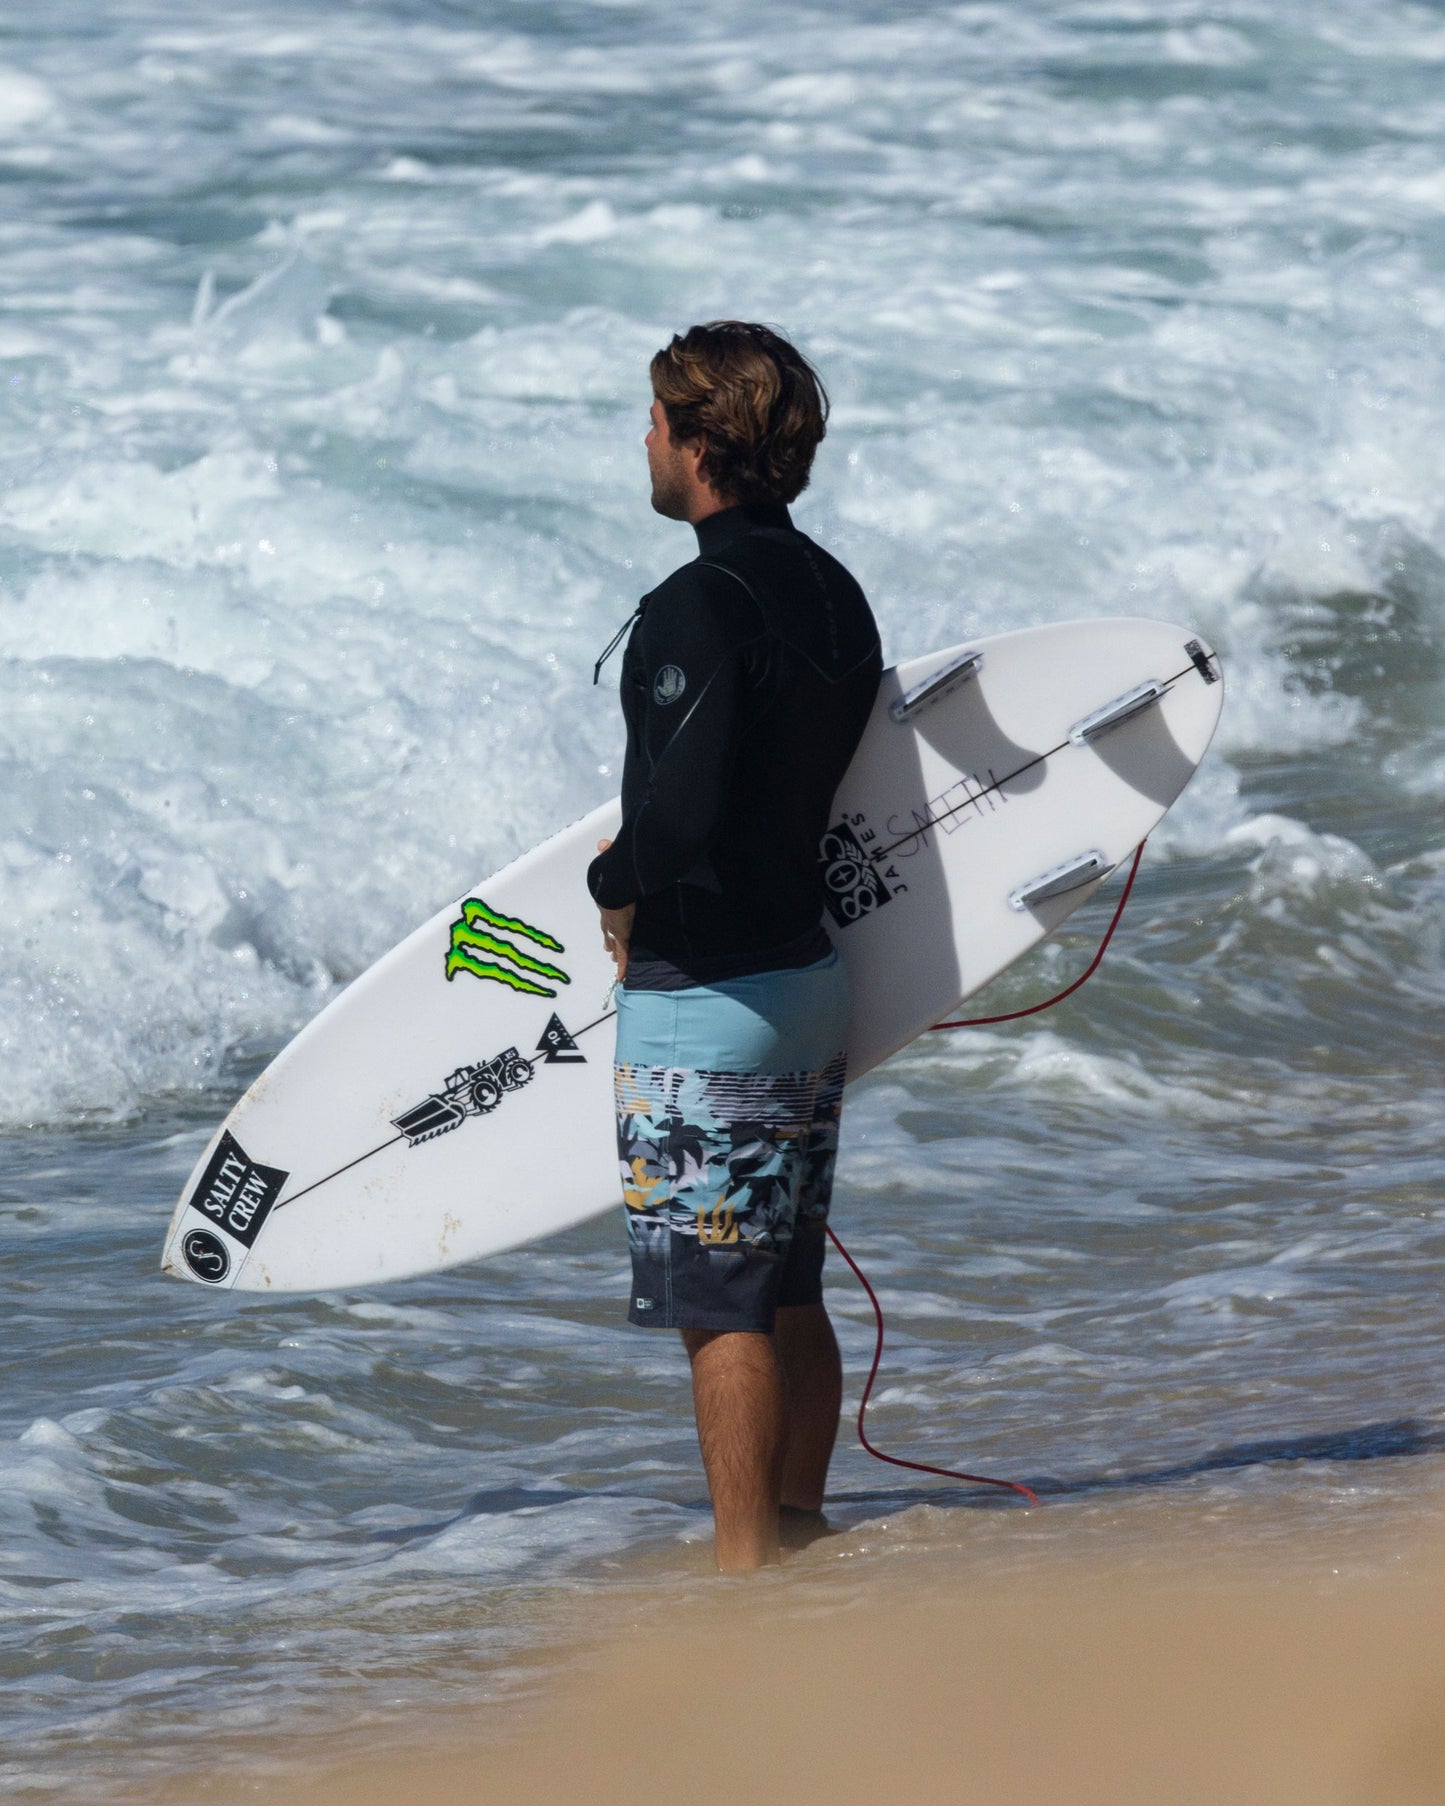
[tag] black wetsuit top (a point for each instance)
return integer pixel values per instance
(746, 684)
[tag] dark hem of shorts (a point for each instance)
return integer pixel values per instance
(698, 1320)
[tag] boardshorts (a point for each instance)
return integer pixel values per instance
(728, 1102)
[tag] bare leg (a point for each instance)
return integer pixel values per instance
(737, 1391)
(813, 1373)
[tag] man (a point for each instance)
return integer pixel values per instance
(746, 684)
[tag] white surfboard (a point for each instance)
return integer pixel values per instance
(456, 1100)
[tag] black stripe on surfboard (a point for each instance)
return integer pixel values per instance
(988, 790)
(382, 1146)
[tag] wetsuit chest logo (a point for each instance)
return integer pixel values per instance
(668, 685)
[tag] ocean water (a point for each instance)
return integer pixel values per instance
(323, 342)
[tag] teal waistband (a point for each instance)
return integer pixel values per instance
(792, 1021)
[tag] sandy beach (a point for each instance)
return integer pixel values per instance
(1173, 1679)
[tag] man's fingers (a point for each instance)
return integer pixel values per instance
(603, 845)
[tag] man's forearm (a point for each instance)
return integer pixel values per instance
(616, 923)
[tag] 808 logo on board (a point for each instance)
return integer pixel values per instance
(855, 881)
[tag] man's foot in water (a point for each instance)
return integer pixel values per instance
(797, 1528)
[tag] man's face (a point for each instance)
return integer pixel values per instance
(671, 467)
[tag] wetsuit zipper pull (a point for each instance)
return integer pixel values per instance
(615, 642)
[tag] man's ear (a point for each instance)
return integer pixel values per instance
(696, 452)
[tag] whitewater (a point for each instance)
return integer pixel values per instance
(324, 332)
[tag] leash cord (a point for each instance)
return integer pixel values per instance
(918, 1467)
(1035, 1009)
(922, 1467)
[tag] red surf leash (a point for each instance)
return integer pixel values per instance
(919, 1467)
(922, 1467)
(1035, 1009)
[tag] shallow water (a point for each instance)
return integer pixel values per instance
(323, 340)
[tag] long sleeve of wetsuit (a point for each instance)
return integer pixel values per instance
(690, 673)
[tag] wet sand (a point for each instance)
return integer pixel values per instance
(1183, 1678)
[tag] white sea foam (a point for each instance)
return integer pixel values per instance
(1298, 856)
(391, 553)
(1046, 1060)
(1221, 1289)
(25, 101)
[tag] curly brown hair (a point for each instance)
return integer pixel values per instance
(754, 399)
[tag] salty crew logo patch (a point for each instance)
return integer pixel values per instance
(668, 685)
(236, 1193)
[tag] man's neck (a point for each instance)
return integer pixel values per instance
(703, 505)
(734, 520)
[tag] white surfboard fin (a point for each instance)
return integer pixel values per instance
(933, 689)
(1059, 879)
(1122, 708)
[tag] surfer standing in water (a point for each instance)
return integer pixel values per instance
(747, 681)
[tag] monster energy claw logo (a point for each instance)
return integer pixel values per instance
(478, 948)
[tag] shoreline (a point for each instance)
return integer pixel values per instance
(1193, 1672)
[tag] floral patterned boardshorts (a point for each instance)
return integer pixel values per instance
(728, 1103)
